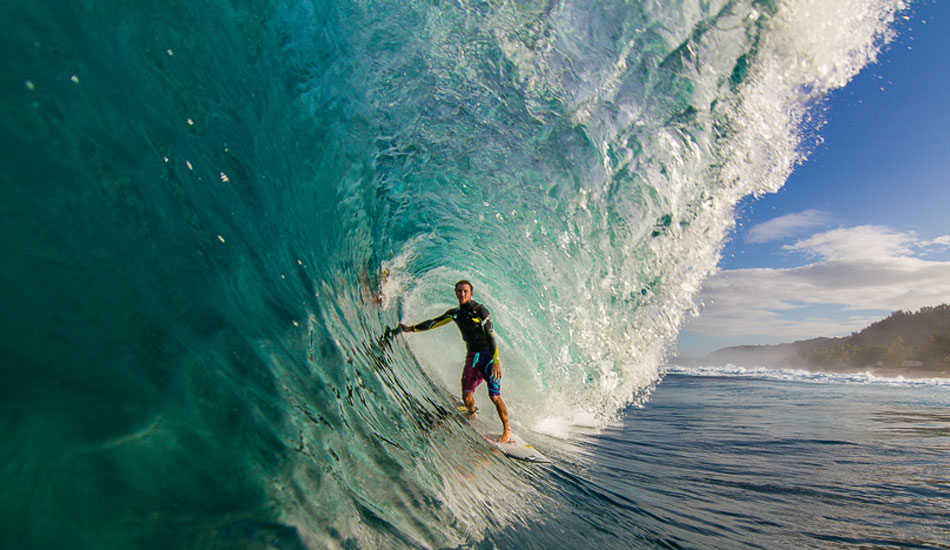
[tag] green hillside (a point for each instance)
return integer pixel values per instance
(903, 339)
(916, 344)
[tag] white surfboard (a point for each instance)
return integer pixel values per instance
(516, 448)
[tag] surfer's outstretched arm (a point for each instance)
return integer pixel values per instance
(443, 319)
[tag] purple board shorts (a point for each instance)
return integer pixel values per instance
(478, 365)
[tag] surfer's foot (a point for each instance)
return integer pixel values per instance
(505, 437)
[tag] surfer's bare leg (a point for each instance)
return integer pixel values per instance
(503, 415)
(469, 399)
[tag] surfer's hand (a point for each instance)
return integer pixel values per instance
(496, 370)
(403, 328)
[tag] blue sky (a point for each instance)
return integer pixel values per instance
(862, 228)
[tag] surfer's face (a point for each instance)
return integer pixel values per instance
(464, 294)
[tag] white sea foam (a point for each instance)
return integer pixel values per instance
(801, 375)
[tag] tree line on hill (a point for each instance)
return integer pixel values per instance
(917, 342)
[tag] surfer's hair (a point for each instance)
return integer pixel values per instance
(465, 282)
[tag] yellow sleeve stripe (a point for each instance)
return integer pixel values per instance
(441, 322)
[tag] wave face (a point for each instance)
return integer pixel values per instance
(211, 211)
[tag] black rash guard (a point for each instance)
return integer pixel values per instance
(473, 321)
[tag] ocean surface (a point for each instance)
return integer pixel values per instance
(722, 457)
(210, 213)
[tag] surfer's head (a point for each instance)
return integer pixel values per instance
(463, 291)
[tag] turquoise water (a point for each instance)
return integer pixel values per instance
(211, 212)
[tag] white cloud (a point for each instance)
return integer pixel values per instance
(856, 243)
(859, 269)
(943, 242)
(787, 226)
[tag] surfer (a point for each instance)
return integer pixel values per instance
(481, 362)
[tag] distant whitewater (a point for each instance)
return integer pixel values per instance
(211, 211)
(803, 375)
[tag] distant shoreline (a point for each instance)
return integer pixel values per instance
(905, 344)
(923, 372)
